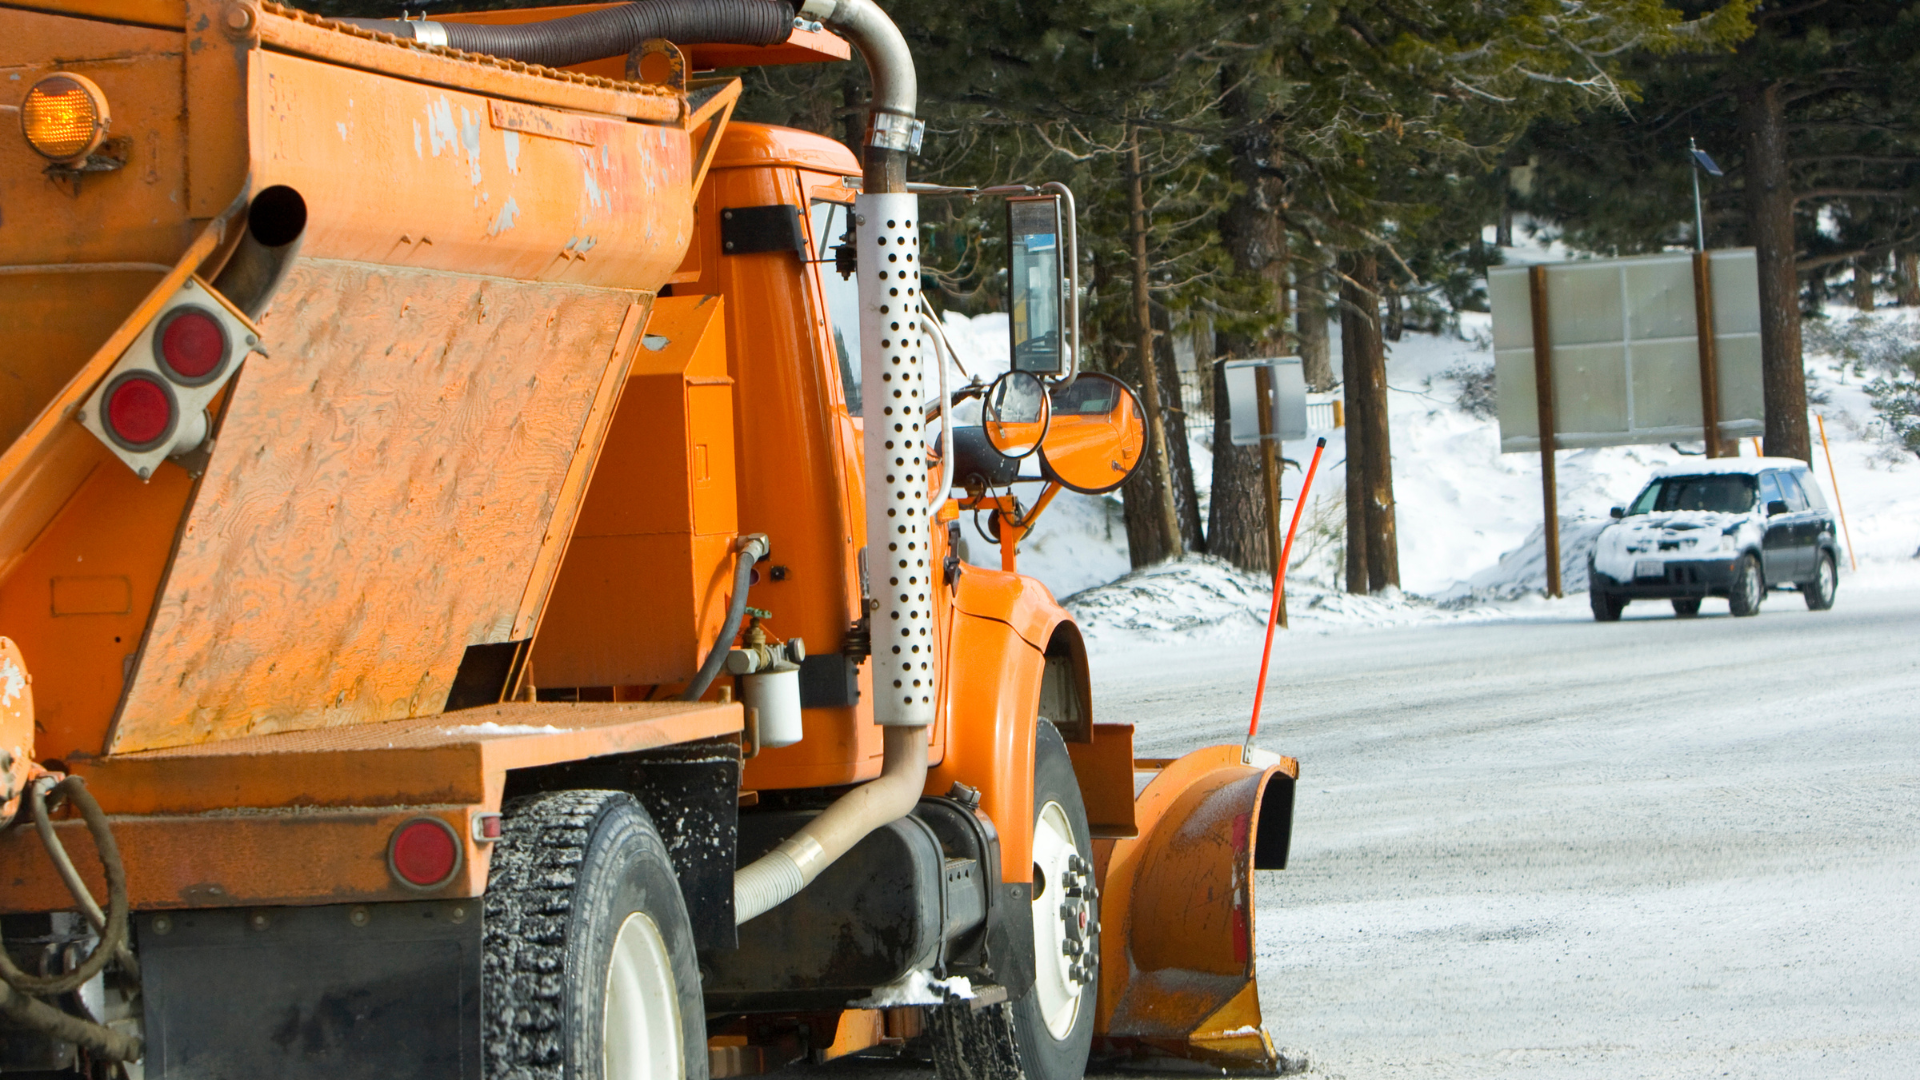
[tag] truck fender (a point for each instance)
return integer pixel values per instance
(996, 664)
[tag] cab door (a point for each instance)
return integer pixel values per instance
(1808, 522)
(1780, 548)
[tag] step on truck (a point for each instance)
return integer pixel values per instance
(482, 582)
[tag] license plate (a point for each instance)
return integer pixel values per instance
(1650, 568)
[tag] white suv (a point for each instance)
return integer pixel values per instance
(1732, 527)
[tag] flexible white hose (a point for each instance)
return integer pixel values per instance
(776, 876)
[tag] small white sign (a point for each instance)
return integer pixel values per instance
(1287, 402)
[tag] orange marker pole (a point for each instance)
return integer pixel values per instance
(1837, 500)
(1279, 592)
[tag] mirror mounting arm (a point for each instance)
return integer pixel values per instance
(1072, 255)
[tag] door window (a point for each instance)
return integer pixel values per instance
(1801, 492)
(1770, 492)
(832, 225)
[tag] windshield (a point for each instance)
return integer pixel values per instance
(1725, 493)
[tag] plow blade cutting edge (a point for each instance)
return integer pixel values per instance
(1177, 963)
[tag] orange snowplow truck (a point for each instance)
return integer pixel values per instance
(481, 587)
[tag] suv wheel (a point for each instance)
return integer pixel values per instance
(1746, 590)
(1606, 606)
(1826, 579)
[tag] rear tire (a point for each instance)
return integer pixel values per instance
(589, 970)
(1686, 607)
(1606, 606)
(1747, 589)
(1826, 581)
(1048, 1033)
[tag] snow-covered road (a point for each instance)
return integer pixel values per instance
(1548, 847)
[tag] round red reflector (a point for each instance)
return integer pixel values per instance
(424, 853)
(139, 411)
(192, 344)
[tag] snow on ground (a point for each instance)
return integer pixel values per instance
(1469, 517)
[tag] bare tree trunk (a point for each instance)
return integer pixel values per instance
(1352, 381)
(1186, 498)
(1367, 421)
(1907, 269)
(1149, 370)
(1863, 283)
(1769, 197)
(1396, 316)
(1236, 516)
(1239, 519)
(1316, 350)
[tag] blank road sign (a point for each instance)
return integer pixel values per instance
(1626, 360)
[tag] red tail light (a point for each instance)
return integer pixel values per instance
(191, 345)
(424, 853)
(139, 412)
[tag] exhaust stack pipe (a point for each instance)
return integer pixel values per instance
(899, 531)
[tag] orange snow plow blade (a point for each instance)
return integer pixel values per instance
(1177, 963)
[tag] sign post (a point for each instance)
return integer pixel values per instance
(1709, 361)
(1543, 398)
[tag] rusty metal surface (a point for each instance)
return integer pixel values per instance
(16, 728)
(378, 499)
(1176, 959)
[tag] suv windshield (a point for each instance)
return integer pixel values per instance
(1724, 493)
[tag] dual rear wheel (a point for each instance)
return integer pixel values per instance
(589, 969)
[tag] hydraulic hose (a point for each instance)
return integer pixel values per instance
(16, 985)
(614, 31)
(776, 876)
(753, 548)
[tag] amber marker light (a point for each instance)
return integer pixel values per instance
(64, 117)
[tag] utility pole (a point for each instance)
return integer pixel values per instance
(1149, 370)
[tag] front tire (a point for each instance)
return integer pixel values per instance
(589, 970)
(1606, 606)
(1826, 581)
(1747, 589)
(1048, 1033)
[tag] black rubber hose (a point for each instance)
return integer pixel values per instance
(615, 31)
(752, 549)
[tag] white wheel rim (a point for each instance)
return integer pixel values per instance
(1055, 988)
(1826, 578)
(643, 1038)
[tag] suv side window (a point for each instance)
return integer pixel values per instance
(1770, 490)
(1796, 499)
(1811, 490)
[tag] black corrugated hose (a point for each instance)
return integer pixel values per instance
(615, 31)
(17, 986)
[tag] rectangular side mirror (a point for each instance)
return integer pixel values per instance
(1776, 508)
(1036, 296)
(1617, 512)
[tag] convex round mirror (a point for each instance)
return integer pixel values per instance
(1097, 436)
(1016, 413)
